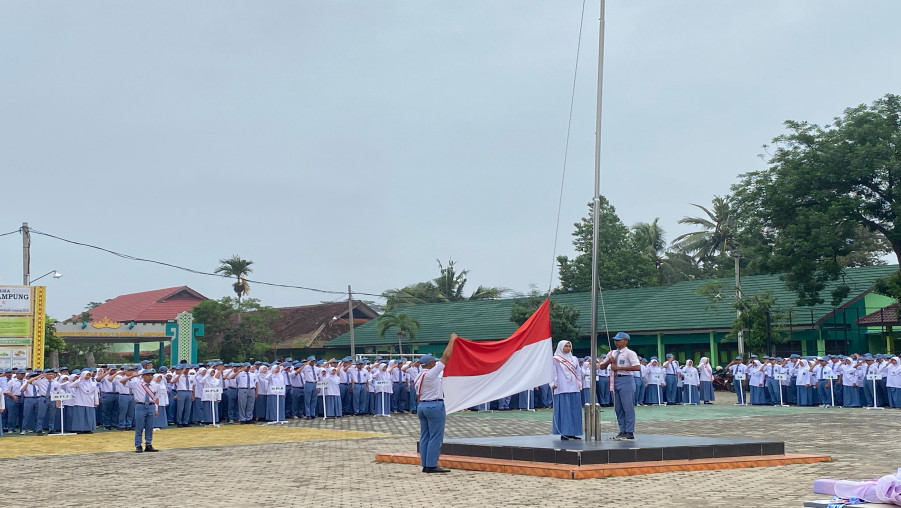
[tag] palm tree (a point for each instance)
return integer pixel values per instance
(671, 267)
(447, 287)
(405, 325)
(236, 267)
(717, 236)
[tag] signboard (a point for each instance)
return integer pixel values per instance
(874, 377)
(212, 390)
(739, 376)
(277, 390)
(381, 383)
(15, 326)
(830, 375)
(780, 377)
(16, 301)
(655, 379)
(60, 396)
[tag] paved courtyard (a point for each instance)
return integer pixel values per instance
(330, 463)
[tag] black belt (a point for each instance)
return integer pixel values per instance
(432, 400)
(145, 403)
(109, 393)
(239, 388)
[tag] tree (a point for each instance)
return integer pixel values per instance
(236, 331)
(713, 244)
(447, 287)
(759, 318)
(672, 267)
(564, 318)
(53, 343)
(239, 268)
(620, 262)
(405, 325)
(822, 186)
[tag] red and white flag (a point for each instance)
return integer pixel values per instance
(479, 372)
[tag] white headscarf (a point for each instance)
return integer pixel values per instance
(560, 356)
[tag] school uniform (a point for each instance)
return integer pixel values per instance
(109, 401)
(15, 406)
(757, 384)
(383, 393)
(640, 385)
(246, 396)
(705, 385)
(605, 397)
(184, 390)
(411, 374)
(773, 386)
(229, 397)
(870, 397)
(145, 397)
(297, 400)
(397, 382)
(332, 393)
(161, 419)
(347, 405)
(653, 391)
(567, 417)
(85, 398)
(359, 381)
(740, 395)
(672, 385)
(308, 372)
(850, 393)
(893, 384)
(210, 401)
(690, 383)
(261, 403)
(624, 386)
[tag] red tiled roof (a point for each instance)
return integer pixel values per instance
(884, 316)
(150, 306)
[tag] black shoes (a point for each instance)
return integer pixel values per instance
(623, 436)
(567, 438)
(435, 470)
(149, 448)
(138, 449)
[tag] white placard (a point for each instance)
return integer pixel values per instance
(15, 300)
(874, 377)
(212, 390)
(739, 376)
(322, 384)
(830, 375)
(60, 396)
(656, 379)
(690, 376)
(780, 377)
(277, 390)
(381, 383)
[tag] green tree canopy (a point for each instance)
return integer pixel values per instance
(236, 331)
(672, 267)
(823, 185)
(447, 287)
(621, 263)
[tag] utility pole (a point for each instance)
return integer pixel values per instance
(350, 319)
(741, 331)
(26, 254)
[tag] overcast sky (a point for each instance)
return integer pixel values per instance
(356, 142)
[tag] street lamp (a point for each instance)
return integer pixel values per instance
(56, 275)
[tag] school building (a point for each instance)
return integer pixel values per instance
(668, 319)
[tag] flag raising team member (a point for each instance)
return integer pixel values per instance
(567, 386)
(431, 409)
(623, 362)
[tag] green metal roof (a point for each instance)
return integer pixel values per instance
(671, 309)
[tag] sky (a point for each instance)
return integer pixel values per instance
(353, 142)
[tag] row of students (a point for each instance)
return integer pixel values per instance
(833, 380)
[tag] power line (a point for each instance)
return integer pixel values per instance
(190, 270)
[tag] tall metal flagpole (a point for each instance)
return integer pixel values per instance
(594, 417)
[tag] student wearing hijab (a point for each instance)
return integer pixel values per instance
(690, 383)
(893, 382)
(803, 378)
(705, 377)
(850, 385)
(757, 382)
(654, 391)
(672, 371)
(567, 386)
(625, 365)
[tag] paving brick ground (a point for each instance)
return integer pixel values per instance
(343, 473)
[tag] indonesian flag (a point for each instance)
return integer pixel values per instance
(479, 372)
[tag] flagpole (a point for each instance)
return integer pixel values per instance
(594, 418)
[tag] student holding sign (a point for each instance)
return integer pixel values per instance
(705, 376)
(690, 383)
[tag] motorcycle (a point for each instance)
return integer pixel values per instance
(722, 380)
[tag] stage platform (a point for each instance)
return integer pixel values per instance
(548, 455)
